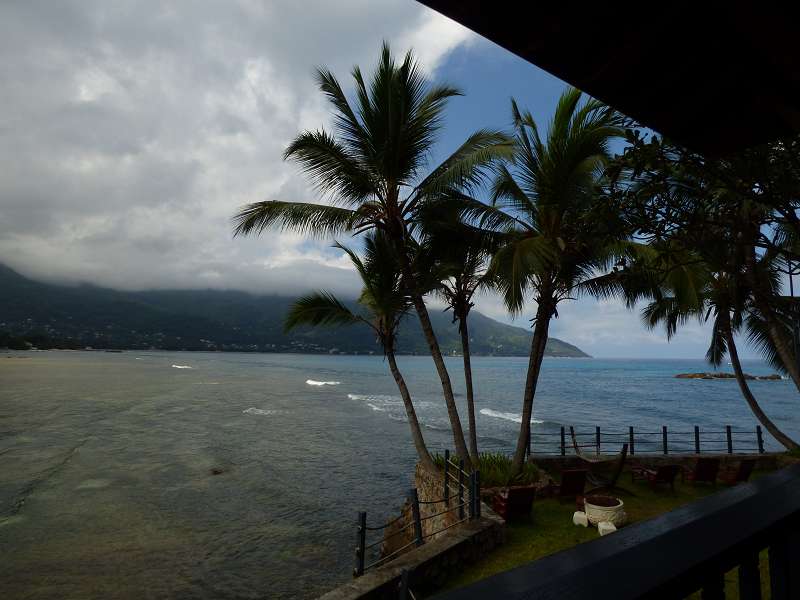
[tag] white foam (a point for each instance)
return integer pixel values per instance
(508, 416)
(376, 408)
(313, 382)
(182, 367)
(261, 411)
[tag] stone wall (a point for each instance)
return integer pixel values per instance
(429, 565)
(443, 554)
(436, 516)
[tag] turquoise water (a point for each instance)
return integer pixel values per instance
(122, 475)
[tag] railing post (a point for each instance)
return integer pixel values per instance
(446, 475)
(461, 489)
(477, 494)
(664, 440)
(402, 587)
(361, 542)
(630, 439)
(760, 439)
(597, 439)
(784, 554)
(729, 435)
(697, 439)
(563, 442)
(472, 495)
(415, 512)
(714, 588)
(749, 577)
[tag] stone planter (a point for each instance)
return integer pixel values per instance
(605, 508)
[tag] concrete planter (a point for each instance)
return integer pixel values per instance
(605, 508)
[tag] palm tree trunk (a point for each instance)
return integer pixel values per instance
(782, 345)
(473, 433)
(784, 439)
(444, 376)
(540, 332)
(416, 430)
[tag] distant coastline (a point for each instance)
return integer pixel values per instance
(41, 315)
(70, 348)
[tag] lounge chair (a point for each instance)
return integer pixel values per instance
(573, 481)
(739, 474)
(607, 481)
(705, 471)
(663, 475)
(514, 502)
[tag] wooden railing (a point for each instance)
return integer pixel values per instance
(676, 554)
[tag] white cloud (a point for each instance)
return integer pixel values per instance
(131, 132)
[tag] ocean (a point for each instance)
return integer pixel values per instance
(215, 475)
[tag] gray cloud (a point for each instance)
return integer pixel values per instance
(132, 130)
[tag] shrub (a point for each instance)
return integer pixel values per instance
(495, 469)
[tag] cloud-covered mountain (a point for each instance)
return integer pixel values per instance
(80, 316)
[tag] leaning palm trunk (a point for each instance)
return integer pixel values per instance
(416, 430)
(473, 435)
(540, 332)
(444, 376)
(782, 438)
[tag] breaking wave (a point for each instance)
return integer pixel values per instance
(314, 382)
(507, 416)
(382, 398)
(182, 367)
(261, 411)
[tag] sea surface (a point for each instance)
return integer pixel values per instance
(191, 475)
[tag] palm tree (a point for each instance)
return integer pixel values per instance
(373, 171)
(557, 236)
(385, 304)
(720, 298)
(458, 257)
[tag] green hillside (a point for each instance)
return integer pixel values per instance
(79, 316)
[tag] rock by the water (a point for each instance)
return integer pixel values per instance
(772, 377)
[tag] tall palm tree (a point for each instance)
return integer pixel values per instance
(557, 235)
(459, 256)
(385, 305)
(374, 171)
(719, 298)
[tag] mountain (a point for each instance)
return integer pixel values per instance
(61, 316)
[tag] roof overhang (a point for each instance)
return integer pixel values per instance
(715, 80)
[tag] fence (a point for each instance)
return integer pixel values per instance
(466, 501)
(697, 441)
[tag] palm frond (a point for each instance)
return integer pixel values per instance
(315, 219)
(468, 166)
(331, 167)
(759, 337)
(718, 347)
(319, 308)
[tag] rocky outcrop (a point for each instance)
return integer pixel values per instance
(772, 377)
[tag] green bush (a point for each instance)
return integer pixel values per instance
(495, 469)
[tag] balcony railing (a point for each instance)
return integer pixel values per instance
(687, 550)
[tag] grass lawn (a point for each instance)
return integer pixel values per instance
(550, 530)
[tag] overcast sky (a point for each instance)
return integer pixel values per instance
(131, 131)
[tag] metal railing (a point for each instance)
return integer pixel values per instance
(467, 502)
(682, 441)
